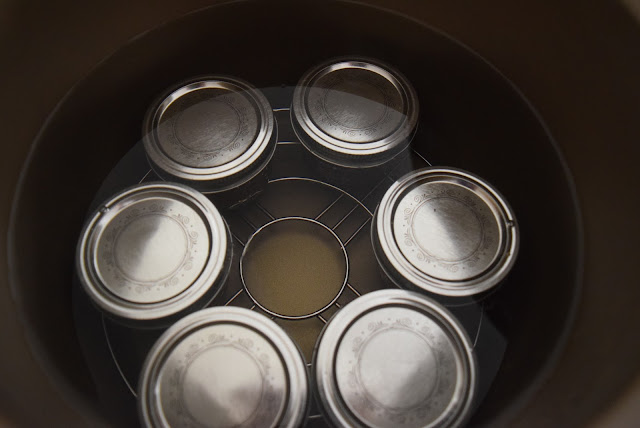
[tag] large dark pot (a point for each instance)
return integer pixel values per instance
(76, 79)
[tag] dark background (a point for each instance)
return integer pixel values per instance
(579, 65)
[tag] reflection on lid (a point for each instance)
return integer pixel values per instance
(224, 367)
(354, 113)
(401, 360)
(445, 231)
(213, 132)
(152, 251)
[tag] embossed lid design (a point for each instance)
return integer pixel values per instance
(223, 367)
(394, 358)
(354, 113)
(445, 231)
(212, 132)
(152, 251)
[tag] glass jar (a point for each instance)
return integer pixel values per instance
(153, 253)
(394, 358)
(445, 231)
(223, 367)
(354, 115)
(214, 133)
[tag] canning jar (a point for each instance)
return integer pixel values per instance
(214, 133)
(153, 253)
(395, 358)
(223, 367)
(354, 115)
(445, 231)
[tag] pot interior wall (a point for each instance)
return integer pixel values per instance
(471, 118)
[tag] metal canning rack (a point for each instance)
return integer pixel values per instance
(295, 189)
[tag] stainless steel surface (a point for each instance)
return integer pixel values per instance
(213, 132)
(354, 113)
(152, 251)
(223, 367)
(394, 358)
(294, 259)
(445, 231)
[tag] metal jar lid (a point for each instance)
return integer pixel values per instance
(223, 367)
(153, 251)
(213, 133)
(445, 231)
(394, 358)
(354, 113)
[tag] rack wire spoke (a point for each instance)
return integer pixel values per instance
(415, 152)
(115, 360)
(146, 175)
(246, 220)
(374, 188)
(264, 210)
(329, 207)
(475, 340)
(345, 217)
(234, 297)
(356, 292)
(237, 239)
(357, 231)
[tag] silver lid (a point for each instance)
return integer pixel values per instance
(445, 231)
(394, 358)
(214, 132)
(152, 251)
(223, 367)
(354, 113)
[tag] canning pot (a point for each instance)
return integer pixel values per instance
(540, 99)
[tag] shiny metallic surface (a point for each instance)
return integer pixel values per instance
(223, 367)
(445, 231)
(354, 113)
(152, 251)
(214, 133)
(394, 358)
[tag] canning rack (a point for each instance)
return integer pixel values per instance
(296, 189)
